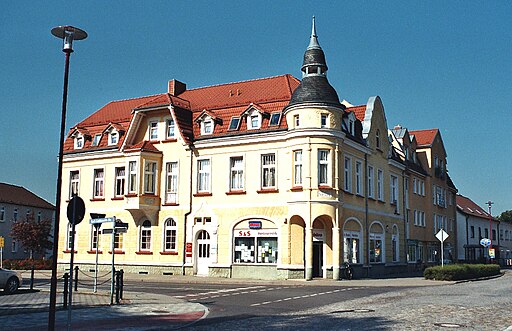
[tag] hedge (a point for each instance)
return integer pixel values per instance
(27, 264)
(461, 271)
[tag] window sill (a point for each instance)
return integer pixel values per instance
(296, 189)
(236, 192)
(170, 204)
(144, 253)
(117, 198)
(93, 251)
(325, 187)
(67, 251)
(117, 251)
(168, 253)
(268, 190)
(203, 194)
(97, 199)
(131, 195)
(170, 140)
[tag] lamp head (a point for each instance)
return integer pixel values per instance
(68, 33)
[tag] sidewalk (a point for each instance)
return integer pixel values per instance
(28, 310)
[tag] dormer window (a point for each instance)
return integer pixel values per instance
(274, 119)
(79, 142)
(113, 138)
(96, 139)
(207, 126)
(348, 123)
(153, 130)
(254, 121)
(233, 125)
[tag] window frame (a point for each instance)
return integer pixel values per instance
(74, 182)
(272, 121)
(297, 168)
(324, 167)
(170, 232)
(236, 173)
(153, 130)
(380, 185)
(171, 182)
(96, 139)
(234, 120)
(266, 170)
(145, 236)
(150, 177)
(170, 129)
(347, 174)
(120, 181)
(113, 138)
(98, 191)
(204, 169)
(79, 141)
(359, 178)
(133, 187)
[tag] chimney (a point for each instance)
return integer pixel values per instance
(397, 127)
(176, 87)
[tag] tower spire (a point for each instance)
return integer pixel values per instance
(313, 41)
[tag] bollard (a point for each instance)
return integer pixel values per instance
(122, 283)
(118, 274)
(76, 278)
(32, 279)
(66, 280)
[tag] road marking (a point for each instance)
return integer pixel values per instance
(310, 296)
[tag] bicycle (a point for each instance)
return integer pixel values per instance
(348, 271)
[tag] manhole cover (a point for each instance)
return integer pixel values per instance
(449, 325)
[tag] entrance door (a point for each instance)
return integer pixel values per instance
(203, 252)
(318, 258)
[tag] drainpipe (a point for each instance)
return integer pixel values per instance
(188, 212)
(467, 238)
(366, 216)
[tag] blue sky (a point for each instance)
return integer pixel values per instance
(435, 64)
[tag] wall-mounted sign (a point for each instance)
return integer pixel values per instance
(254, 224)
(188, 250)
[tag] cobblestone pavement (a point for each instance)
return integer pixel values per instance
(476, 305)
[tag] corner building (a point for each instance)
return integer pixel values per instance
(270, 178)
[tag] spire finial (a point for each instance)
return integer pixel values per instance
(313, 41)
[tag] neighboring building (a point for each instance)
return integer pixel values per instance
(474, 224)
(16, 204)
(267, 178)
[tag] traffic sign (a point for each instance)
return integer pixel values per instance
(102, 220)
(486, 242)
(76, 210)
(118, 230)
(442, 235)
(121, 225)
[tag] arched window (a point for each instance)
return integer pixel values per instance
(376, 243)
(145, 236)
(352, 241)
(170, 239)
(394, 244)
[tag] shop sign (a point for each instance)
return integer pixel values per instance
(255, 233)
(318, 235)
(254, 224)
(188, 249)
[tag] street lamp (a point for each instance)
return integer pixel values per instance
(489, 204)
(67, 34)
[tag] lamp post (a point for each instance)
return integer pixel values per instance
(489, 204)
(67, 34)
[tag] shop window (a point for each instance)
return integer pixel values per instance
(352, 244)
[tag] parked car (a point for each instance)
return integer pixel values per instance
(10, 280)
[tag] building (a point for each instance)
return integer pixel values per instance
(475, 224)
(266, 178)
(17, 204)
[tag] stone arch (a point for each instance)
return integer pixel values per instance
(297, 240)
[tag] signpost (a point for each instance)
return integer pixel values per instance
(97, 224)
(2, 244)
(486, 242)
(442, 236)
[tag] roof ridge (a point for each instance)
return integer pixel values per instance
(242, 81)
(133, 99)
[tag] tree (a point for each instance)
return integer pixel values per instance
(506, 216)
(33, 235)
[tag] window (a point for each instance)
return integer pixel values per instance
(120, 181)
(150, 177)
(296, 120)
(14, 246)
(297, 168)
(145, 236)
(132, 177)
(95, 237)
(98, 183)
(380, 185)
(153, 130)
(254, 121)
(486, 231)
(371, 182)
(394, 245)
(493, 234)
(207, 126)
(79, 142)
(96, 140)
(74, 181)
(323, 167)
(171, 184)
(394, 191)
(348, 174)
(255, 246)
(2, 214)
(359, 178)
(203, 176)
(376, 253)
(323, 120)
(274, 119)
(268, 171)
(170, 129)
(377, 139)
(351, 242)
(69, 237)
(15, 215)
(351, 126)
(236, 178)
(233, 125)
(118, 241)
(472, 231)
(406, 192)
(113, 138)
(411, 253)
(170, 238)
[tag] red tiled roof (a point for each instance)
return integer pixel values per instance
(143, 146)
(424, 137)
(467, 206)
(18, 195)
(359, 111)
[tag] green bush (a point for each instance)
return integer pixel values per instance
(27, 264)
(461, 271)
